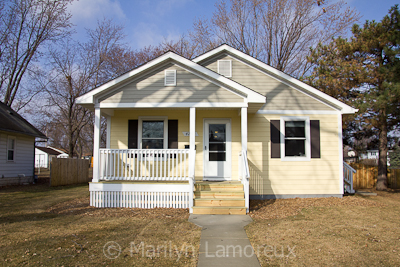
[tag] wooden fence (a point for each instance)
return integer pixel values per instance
(69, 171)
(366, 176)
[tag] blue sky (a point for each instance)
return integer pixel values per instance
(147, 22)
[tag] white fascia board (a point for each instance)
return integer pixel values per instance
(85, 99)
(345, 109)
(89, 96)
(299, 112)
(252, 96)
(174, 105)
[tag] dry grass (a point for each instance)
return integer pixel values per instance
(45, 226)
(352, 231)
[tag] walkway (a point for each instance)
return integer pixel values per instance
(223, 241)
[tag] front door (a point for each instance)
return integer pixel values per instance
(217, 149)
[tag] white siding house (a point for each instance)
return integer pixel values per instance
(17, 147)
(44, 155)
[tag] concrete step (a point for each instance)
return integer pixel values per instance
(220, 210)
(219, 194)
(213, 202)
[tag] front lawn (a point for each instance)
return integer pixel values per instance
(45, 226)
(48, 226)
(352, 231)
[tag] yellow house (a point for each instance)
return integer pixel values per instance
(211, 133)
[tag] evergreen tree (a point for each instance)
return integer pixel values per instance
(365, 73)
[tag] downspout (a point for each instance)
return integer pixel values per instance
(33, 174)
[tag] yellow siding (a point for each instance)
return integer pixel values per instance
(189, 88)
(274, 176)
(279, 96)
(119, 124)
(268, 176)
(119, 130)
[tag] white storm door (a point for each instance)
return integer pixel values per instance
(217, 149)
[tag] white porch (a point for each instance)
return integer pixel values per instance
(148, 178)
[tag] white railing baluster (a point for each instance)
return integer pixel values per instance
(156, 162)
(180, 165)
(153, 167)
(145, 164)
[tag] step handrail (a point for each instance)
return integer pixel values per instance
(244, 175)
(348, 172)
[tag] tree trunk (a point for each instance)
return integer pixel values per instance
(381, 183)
(71, 148)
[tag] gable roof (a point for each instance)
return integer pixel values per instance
(49, 150)
(342, 107)
(252, 96)
(11, 121)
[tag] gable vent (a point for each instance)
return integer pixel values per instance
(170, 78)
(225, 67)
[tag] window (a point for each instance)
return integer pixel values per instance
(295, 138)
(225, 67)
(153, 132)
(11, 148)
(170, 78)
(217, 142)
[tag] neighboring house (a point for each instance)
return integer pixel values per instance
(370, 154)
(44, 155)
(17, 147)
(174, 125)
(374, 154)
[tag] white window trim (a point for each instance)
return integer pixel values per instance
(230, 67)
(15, 148)
(307, 157)
(153, 118)
(165, 77)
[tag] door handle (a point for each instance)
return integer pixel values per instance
(205, 147)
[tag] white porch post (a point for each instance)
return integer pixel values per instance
(108, 132)
(96, 145)
(192, 155)
(244, 128)
(245, 179)
(192, 128)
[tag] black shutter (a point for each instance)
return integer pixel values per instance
(173, 134)
(275, 139)
(133, 134)
(315, 139)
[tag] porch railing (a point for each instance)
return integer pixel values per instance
(348, 172)
(144, 164)
(244, 175)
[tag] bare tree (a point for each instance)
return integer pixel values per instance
(76, 68)
(25, 26)
(277, 32)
